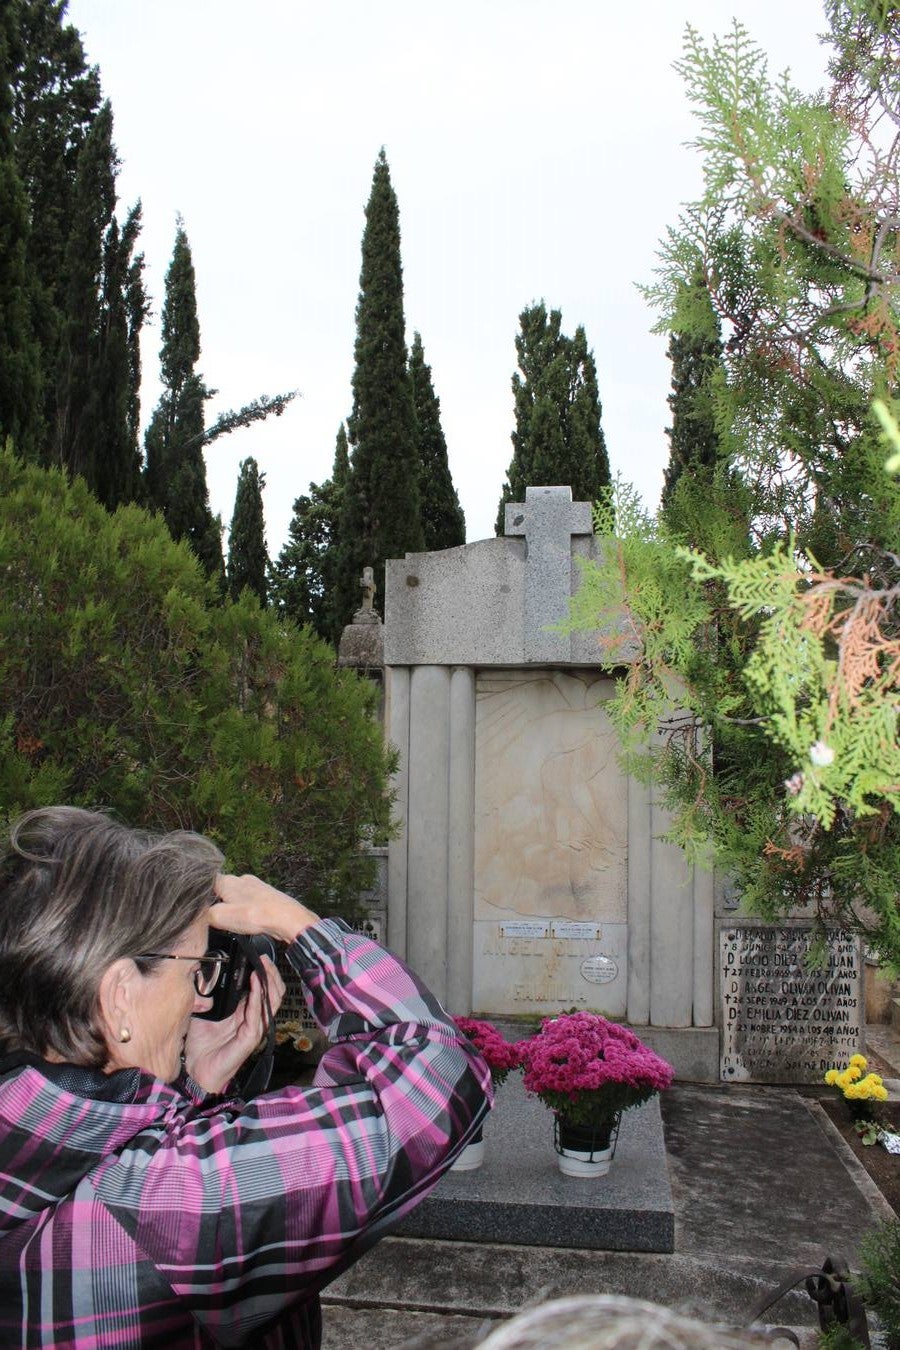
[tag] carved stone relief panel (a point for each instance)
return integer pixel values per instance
(551, 833)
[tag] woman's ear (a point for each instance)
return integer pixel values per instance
(116, 999)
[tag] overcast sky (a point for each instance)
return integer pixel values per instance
(537, 149)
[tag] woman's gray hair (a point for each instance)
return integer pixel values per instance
(79, 890)
(610, 1322)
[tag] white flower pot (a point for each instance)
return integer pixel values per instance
(574, 1163)
(471, 1157)
(583, 1151)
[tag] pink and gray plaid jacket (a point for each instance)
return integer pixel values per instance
(140, 1213)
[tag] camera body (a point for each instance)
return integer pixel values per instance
(244, 953)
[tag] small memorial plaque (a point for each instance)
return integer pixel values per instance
(530, 928)
(599, 969)
(783, 1020)
(575, 932)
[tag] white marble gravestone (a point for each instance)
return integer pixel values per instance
(528, 874)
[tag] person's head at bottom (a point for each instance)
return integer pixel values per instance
(199, 1200)
(609, 1322)
(103, 940)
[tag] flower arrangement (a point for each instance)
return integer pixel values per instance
(291, 1034)
(499, 1055)
(298, 1049)
(860, 1089)
(587, 1069)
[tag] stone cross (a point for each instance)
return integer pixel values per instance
(548, 518)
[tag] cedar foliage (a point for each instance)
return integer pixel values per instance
(127, 684)
(558, 439)
(443, 521)
(248, 559)
(381, 511)
(879, 1282)
(779, 622)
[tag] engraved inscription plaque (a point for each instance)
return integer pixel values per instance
(580, 932)
(783, 1020)
(532, 928)
(599, 969)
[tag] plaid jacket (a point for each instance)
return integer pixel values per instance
(140, 1213)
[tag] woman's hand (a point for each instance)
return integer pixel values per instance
(214, 1051)
(253, 906)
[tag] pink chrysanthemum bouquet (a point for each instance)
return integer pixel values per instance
(587, 1069)
(499, 1054)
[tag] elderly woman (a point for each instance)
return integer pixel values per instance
(140, 1202)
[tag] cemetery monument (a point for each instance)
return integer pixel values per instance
(528, 874)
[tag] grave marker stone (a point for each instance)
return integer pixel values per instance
(784, 1020)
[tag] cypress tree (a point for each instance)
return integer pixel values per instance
(95, 431)
(381, 514)
(303, 578)
(558, 438)
(696, 356)
(20, 369)
(443, 521)
(84, 286)
(55, 98)
(175, 476)
(77, 425)
(247, 556)
(123, 307)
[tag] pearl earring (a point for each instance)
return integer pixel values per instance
(124, 1034)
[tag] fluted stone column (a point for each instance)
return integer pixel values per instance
(639, 818)
(397, 725)
(427, 842)
(461, 834)
(431, 722)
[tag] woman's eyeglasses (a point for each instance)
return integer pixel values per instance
(208, 972)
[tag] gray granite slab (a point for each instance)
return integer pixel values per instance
(520, 1196)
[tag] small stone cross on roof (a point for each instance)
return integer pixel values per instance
(548, 518)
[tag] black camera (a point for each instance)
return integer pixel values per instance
(244, 956)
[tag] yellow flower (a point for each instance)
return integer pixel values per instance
(870, 1088)
(854, 1083)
